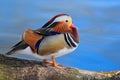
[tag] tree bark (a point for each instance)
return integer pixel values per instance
(18, 69)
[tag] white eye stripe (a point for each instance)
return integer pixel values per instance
(63, 18)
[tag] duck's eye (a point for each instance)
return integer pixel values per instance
(66, 20)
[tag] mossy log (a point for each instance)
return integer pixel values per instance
(18, 69)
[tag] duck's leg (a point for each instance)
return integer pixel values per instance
(54, 62)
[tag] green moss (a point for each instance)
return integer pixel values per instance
(4, 73)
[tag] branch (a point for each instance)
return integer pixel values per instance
(18, 69)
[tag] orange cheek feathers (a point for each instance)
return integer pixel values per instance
(63, 27)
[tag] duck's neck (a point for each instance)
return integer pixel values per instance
(75, 34)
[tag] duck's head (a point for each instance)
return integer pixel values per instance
(60, 23)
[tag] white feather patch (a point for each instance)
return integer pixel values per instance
(61, 52)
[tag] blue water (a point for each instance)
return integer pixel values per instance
(98, 23)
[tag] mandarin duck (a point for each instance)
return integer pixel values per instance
(59, 36)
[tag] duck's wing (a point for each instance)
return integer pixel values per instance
(20, 45)
(29, 38)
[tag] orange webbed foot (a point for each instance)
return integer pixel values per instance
(47, 61)
(53, 62)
